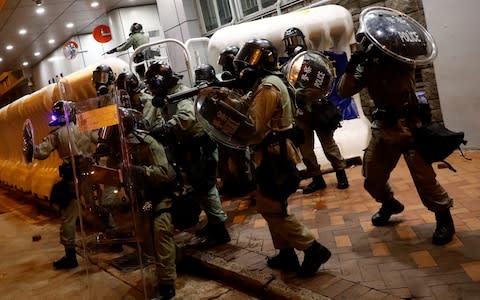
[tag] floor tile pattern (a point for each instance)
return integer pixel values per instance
(398, 259)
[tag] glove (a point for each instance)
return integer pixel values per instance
(163, 133)
(357, 58)
(159, 101)
(103, 149)
(137, 171)
(112, 51)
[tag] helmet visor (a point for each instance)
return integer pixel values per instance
(224, 59)
(100, 77)
(249, 55)
(293, 41)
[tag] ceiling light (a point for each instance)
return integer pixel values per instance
(94, 4)
(36, 53)
(9, 47)
(22, 31)
(1, 59)
(51, 41)
(40, 10)
(38, 2)
(25, 63)
(69, 25)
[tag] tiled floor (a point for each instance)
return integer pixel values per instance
(398, 259)
(391, 262)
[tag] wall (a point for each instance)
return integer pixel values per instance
(457, 65)
(119, 21)
(179, 21)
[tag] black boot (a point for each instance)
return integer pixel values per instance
(318, 183)
(164, 292)
(286, 260)
(445, 228)
(218, 235)
(388, 208)
(315, 256)
(342, 181)
(69, 261)
(204, 231)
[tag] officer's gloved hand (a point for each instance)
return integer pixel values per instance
(163, 134)
(356, 59)
(103, 149)
(136, 171)
(159, 101)
(112, 51)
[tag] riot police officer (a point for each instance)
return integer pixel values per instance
(205, 74)
(235, 171)
(225, 59)
(294, 42)
(103, 79)
(136, 38)
(152, 178)
(195, 153)
(63, 192)
(140, 100)
(276, 157)
(389, 76)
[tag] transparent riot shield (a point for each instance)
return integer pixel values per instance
(115, 239)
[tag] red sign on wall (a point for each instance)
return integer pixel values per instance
(102, 33)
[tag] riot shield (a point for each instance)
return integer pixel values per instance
(224, 116)
(28, 141)
(397, 35)
(311, 74)
(115, 231)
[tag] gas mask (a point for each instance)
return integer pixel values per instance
(248, 78)
(101, 89)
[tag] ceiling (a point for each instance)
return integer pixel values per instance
(50, 25)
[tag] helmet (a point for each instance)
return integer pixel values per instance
(205, 73)
(311, 74)
(136, 28)
(226, 58)
(259, 54)
(292, 39)
(160, 78)
(103, 74)
(102, 78)
(397, 35)
(129, 82)
(62, 111)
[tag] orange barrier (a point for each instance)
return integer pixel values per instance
(39, 176)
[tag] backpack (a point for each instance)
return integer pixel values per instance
(435, 142)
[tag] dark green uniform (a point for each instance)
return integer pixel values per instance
(181, 116)
(83, 145)
(153, 182)
(391, 85)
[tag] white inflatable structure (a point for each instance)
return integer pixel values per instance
(328, 27)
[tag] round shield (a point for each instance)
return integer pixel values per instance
(310, 72)
(221, 115)
(28, 141)
(397, 35)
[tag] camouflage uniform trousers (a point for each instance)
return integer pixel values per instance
(329, 146)
(381, 156)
